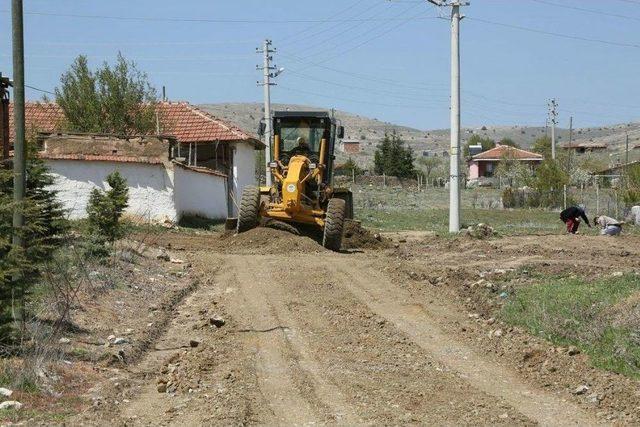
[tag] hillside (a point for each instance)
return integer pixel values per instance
(370, 130)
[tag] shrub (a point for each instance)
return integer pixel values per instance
(105, 211)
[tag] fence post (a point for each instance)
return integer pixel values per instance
(564, 192)
(384, 180)
(597, 195)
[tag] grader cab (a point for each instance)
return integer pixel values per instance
(302, 190)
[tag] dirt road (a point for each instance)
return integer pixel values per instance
(315, 337)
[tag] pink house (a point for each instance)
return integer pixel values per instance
(483, 165)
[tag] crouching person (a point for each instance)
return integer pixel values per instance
(571, 217)
(608, 226)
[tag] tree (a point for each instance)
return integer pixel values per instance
(542, 146)
(630, 188)
(351, 167)
(513, 171)
(429, 165)
(104, 211)
(114, 99)
(486, 143)
(549, 182)
(45, 229)
(393, 158)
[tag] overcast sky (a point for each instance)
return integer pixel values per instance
(383, 59)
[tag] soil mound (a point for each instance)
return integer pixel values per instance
(264, 241)
(358, 237)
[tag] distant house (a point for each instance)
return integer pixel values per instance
(350, 146)
(199, 165)
(617, 169)
(483, 165)
(584, 147)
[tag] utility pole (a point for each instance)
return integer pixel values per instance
(570, 141)
(553, 116)
(267, 74)
(5, 83)
(19, 161)
(626, 155)
(454, 158)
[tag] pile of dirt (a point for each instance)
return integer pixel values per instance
(480, 231)
(265, 241)
(358, 237)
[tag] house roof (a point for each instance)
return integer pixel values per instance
(101, 158)
(499, 152)
(612, 169)
(180, 119)
(585, 145)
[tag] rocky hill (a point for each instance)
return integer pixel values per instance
(369, 131)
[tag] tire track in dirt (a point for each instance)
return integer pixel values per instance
(397, 305)
(289, 378)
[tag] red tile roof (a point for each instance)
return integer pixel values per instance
(180, 119)
(501, 151)
(39, 117)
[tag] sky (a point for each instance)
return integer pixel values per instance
(382, 59)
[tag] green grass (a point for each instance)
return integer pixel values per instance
(571, 311)
(507, 222)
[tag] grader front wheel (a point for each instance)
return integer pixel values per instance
(334, 224)
(249, 209)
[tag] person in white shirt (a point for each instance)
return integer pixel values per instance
(608, 226)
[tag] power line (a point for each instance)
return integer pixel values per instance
(550, 33)
(582, 9)
(207, 20)
(39, 90)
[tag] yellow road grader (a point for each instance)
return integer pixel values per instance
(302, 190)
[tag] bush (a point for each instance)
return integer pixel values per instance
(393, 158)
(104, 212)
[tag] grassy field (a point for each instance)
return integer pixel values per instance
(598, 317)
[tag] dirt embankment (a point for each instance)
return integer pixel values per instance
(406, 334)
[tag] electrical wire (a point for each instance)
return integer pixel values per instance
(555, 34)
(39, 90)
(582, 9)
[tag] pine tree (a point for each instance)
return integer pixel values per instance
(393, 158)
(105, 210)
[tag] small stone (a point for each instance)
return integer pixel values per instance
(176, 261)
(617, 274)
(504, 416)
(64, 340)
(10, 404)
(217, 321)
(120, 341)
(491, 321)
(581, 389)
(573, 351)
(194, 343)
(162, 387)
(377, 236)
(111, 337)
(5, 392)
(163, 256)
(497, 333)
(594, 398)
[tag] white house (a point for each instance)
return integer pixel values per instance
(198, 167)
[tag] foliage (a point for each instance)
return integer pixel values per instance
(629, 191)
(542, 146)
(104, 212)
(549, 182)
(486, 143)
(351, 167)
(513, 171)
(44, 230)
(114, 99)
(393, 158)
(432, 167)
(590, 315)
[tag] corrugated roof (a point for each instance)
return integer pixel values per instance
(180, 119)
(506, 151)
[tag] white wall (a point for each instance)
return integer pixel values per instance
(150, 186)
(199, 193)
(244, 161)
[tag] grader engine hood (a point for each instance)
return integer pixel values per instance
(293, 185)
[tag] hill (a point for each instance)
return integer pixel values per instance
(369, 131)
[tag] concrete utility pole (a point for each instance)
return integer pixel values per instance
(570, 140)
(626, 155)
(266, 84)
(454, 158)
(19, 161)
(553, 118)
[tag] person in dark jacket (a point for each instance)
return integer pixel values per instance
(571, 217)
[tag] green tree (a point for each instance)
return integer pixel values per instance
(429, 166)
(542, 146)
(393, 158)
(351, 167)
(630, 189)
(114, 99)
(104, 212)
(486, 143)
(549, 181)
(513, 171)
(45, 230)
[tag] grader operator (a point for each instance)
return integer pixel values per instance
(302, 170)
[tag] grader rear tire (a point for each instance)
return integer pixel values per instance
(249, 210)
(334, 224)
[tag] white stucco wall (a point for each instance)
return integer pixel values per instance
(244, 161)
(150, 186)
(199, 193)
